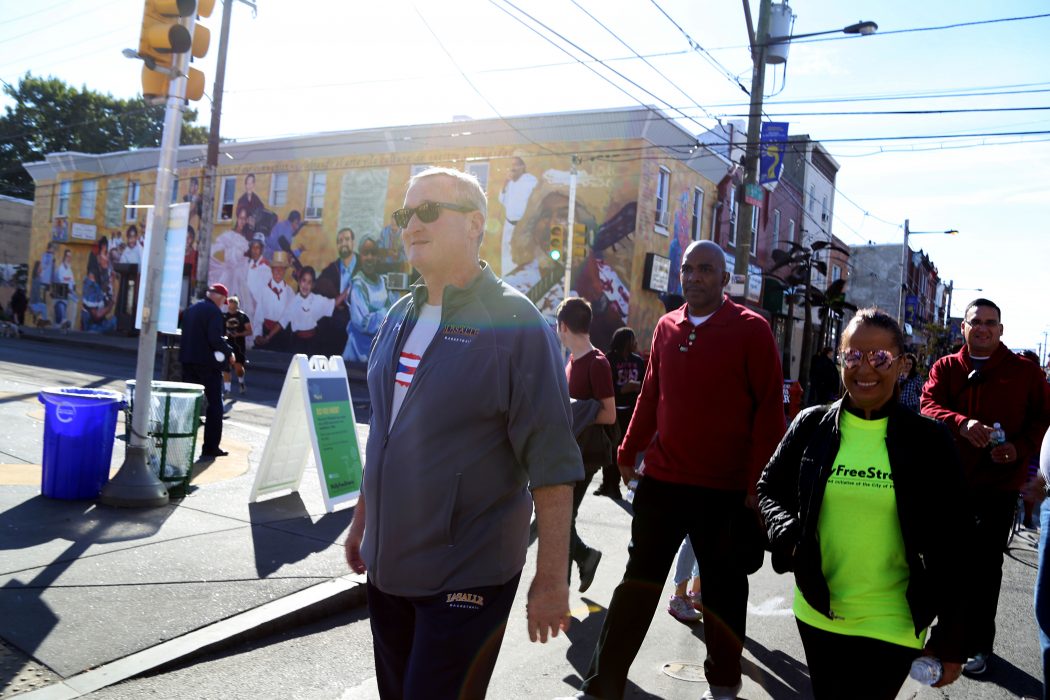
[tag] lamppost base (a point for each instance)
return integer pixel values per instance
(135, 485)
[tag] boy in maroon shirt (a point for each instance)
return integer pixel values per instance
(590, 377)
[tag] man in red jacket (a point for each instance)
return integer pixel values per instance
(709, 416)
(982, 386)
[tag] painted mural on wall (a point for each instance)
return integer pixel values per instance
(305, 297)
(533, 204)
(65, 295)
(299, 299)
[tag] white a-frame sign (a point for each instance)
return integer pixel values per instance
(314, 405)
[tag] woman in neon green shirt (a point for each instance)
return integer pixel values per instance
(860, 501)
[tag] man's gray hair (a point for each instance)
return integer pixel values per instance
(465, 186)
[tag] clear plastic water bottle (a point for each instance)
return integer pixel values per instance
(631, 486)
(998, 435)
(926, 670)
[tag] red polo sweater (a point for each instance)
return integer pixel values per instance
(1010, 390)
(711, 411)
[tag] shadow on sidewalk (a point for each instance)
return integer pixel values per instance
(26, 619)
(288, 514)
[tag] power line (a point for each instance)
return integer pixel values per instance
(901, 112)
(585, 52)
(471, 84)
(695, 45)
(887, 98)
(13, 20)
(507, 69)
(927, 29)
(65, 18)
(654, 68)
(850, 37)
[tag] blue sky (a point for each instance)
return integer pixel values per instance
(326, 65)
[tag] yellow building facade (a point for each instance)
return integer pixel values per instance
(643, 191)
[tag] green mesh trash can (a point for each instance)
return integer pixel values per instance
(174, 417)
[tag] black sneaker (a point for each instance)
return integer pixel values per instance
(216, 452)
(588, 565)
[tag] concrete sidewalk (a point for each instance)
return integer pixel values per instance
(91, 595)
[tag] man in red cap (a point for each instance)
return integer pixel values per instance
(203, 354)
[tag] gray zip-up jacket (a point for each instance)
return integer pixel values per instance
(486, 418)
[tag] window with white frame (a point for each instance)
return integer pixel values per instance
(698, 213)
(481, 172)
(174, 190)
(88, 198)
(279, 189)
(663, 189)
(315, 195)
(776, 230)
(824, 210)
(227, 197)
(812, 198)
(836, 273)
(62, 206)
(131, 212)
(791, 231)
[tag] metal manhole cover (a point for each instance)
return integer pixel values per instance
(680, 670)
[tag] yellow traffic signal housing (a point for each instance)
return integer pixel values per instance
(164, 36)
(155, 84)
(557, 244)
(579, 242)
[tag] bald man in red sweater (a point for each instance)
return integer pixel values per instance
(708, 418)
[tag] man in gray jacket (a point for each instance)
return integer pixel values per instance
(470, 411)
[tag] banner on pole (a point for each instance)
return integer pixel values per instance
(774, 145)
(174, 242)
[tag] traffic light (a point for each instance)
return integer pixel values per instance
(168, 30)
(557, 246)
(579, 242)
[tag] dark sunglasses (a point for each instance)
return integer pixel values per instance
(878, 359)
(428, 212)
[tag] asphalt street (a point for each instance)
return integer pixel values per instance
(332, 659)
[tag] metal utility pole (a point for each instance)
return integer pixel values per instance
(904, 275)
(570, 224)
(948, 304)
(135, 485)
(212, 162)
(752, 151)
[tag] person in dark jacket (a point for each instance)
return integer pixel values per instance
(847, 503)
(203, 353)
(19, 304)
(823, 378)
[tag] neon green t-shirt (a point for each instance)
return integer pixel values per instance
(861, 546)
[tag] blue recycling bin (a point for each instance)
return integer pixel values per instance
(79, 429)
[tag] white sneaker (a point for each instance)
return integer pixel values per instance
(682, 610)
(722, 692)
(976, 665)
(697, 601)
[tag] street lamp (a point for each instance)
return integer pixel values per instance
(863, 28)
(904, 263)
(760, 56)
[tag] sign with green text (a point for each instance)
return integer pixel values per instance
(335, 439)
(315, 407)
